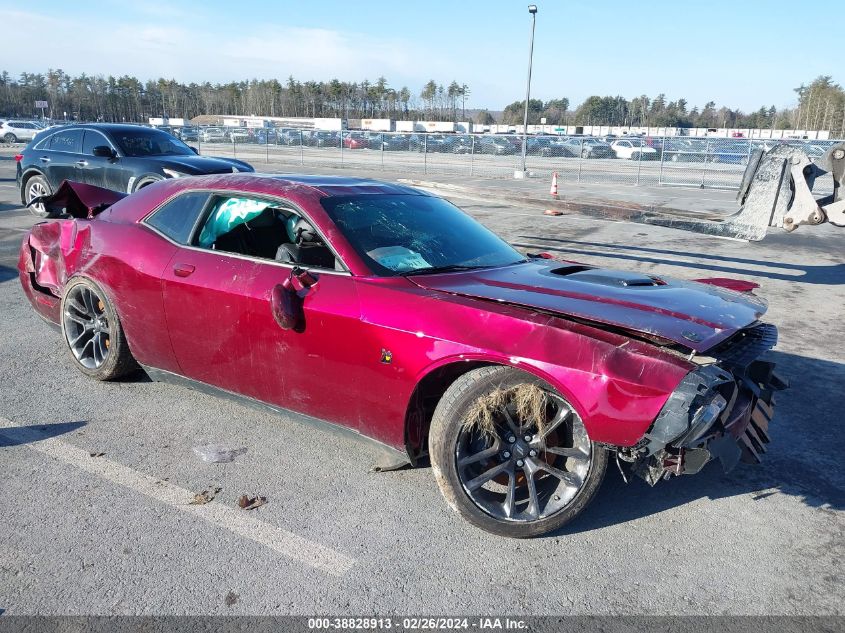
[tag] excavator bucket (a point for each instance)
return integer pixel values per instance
(776, 190)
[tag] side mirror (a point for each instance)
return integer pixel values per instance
(104, 151)
(287, 297)
(194, 149)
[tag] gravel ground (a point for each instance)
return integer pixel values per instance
(113, 534)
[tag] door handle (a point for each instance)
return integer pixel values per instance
(44, 159)
(82, 163)
(183, 270)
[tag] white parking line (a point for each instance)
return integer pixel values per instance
(238, 521)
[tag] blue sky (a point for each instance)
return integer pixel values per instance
(739, 53)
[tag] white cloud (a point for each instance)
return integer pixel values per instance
(151, 49)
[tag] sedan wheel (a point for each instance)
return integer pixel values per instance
(511, 455)
(93, 332)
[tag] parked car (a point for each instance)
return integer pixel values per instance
(188, 133)
(213, 135)
(730, 151)
(397, 142)
(15, 130)
(264, 135)
(459, 144)
(428, 143)
(288, 136)
(550, 146)
(355, 140)
(633, 149)
(118, 157)
(238, 135)
(319, 138)
(497, 145)
(404, 320)
(689, 150)
(587, 147)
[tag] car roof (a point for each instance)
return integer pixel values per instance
(112, 127)
(271, 184)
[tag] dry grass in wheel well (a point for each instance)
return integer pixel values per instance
(529, 402)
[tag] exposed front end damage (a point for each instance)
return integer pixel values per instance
(720, 410)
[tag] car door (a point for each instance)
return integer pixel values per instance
(100, 171)
(59, 159)
(224, 333)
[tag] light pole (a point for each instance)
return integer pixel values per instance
(532, 9)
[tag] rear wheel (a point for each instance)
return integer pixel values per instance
(635, 156)
(93, 332)
(35, 187)
(523, 468)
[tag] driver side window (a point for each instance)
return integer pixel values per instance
(261, 229)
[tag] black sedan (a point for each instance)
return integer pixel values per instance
(119, 157)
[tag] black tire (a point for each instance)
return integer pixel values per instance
(34, 187)
(448, 437)
(145, 182)
(117, 360)
(10, 138)
(635, 155)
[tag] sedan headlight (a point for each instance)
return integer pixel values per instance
(172, 173)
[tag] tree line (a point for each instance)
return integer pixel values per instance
(821, 106)
(821, 103)
(126, 98)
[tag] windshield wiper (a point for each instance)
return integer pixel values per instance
(439, 269)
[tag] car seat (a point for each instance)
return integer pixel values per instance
(307, 248)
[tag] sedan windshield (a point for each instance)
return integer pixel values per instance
(149, 142)
(413, 234)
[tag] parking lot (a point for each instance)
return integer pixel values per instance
(98, 477)
(652, 169)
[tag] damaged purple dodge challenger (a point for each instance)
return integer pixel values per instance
(389, 312)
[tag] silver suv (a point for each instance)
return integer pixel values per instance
(14, 131)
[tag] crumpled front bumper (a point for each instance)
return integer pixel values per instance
(719, 411)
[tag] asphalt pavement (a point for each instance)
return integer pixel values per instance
(97, 478)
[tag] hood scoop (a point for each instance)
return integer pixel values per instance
(617, 278)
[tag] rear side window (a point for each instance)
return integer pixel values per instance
(67, 141)
(177, 218)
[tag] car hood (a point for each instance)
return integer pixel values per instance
(195, 165)
(691, 314)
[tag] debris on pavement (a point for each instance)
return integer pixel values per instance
(217, 453)
(95, 454)
(231, 598)
(201, 498)
(552, 212)
(245, 502)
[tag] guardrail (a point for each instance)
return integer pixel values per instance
(669, 160)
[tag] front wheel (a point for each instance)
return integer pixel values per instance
(511, 455)
(93, 332)
(10, 138)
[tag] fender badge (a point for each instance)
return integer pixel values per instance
(386, 356)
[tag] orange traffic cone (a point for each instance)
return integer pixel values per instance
(553, 190)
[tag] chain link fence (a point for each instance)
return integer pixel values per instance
(668, 160)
